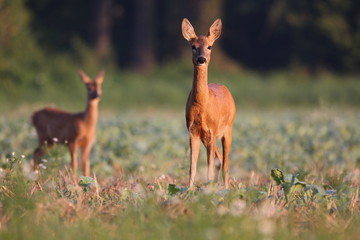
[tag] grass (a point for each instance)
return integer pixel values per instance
(169, 85)
(138, 191)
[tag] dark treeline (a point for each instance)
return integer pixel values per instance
(267, 47)
(259, 34)
(44, 39)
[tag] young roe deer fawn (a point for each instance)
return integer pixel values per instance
(210, 108)
(77, 130)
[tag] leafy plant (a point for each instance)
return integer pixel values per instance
(295, 189)
(85, 182)
(12, 161)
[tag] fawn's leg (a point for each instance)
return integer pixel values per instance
(85, 159)
(39, 151)
(74, 159)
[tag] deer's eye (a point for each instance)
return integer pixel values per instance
(193, 47)
(209, 47)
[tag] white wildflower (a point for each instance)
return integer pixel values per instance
(42, 166)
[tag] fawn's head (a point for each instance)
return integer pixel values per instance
(201, 45)
(93, 86)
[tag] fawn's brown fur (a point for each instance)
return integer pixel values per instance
(76, 130)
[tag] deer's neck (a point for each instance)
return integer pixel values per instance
(91, 112)
(200, 89)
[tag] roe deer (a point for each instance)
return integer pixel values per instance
(77, 130)
(210, 108)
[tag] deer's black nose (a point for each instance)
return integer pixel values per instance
(94, 95)
(201, 60)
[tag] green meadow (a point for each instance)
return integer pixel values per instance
(294, 165)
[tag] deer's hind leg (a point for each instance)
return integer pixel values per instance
(226, 144)
(210, 144)
(39, 152)
(218, 163)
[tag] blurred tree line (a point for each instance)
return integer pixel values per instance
(140, 34)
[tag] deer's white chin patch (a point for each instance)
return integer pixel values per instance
(200, 64)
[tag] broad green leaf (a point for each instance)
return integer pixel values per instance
(297, 187)
(85, 182)
(315, 189)
(277, 175)
(173, 189)
(292, 179)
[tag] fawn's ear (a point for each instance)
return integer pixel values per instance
(187, 30)
(100, 77)
(215, 29)
(85, 78)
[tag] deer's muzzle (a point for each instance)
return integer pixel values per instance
(201, 60)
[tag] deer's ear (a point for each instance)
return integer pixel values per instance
(100, 77)
(187, 30)
(215, 29)
(85, 78)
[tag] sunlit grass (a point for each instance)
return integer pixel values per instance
(138, 190)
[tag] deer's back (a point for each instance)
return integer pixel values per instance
(53, 123)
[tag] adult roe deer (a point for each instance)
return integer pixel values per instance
(77, 130)
(210, 108)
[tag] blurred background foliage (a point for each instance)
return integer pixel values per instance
(273, 52)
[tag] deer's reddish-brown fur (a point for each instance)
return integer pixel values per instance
(76, 130)
(210, 108)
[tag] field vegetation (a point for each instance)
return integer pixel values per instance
(140, 164)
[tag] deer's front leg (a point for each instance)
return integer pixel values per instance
(194, 154)
(85, 159)
(73, 153)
